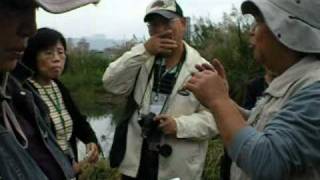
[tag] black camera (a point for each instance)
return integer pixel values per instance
(152, 135)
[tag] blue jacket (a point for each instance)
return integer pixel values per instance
(283, 143)
(15, 162)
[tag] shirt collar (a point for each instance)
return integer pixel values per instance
(279, 86)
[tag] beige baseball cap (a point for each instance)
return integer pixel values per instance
(166, 8)
(296, 23)
(61, 6)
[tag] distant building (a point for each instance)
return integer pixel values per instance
(116, 51)
(111, 52)
(70, 44)
(187, 35)
(82, 46)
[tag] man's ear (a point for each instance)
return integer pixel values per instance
(184, 24)
(184, 21)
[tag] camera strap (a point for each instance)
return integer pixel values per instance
(166, 81)
(145, 90)
(158, 99)
(156, 95)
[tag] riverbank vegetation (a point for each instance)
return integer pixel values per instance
(83, 78)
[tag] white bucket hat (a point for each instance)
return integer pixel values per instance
(296, 23)
(61, 6)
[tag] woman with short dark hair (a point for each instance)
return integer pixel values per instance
(28, 149)
(46, 56)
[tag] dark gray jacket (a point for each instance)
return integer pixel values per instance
(43, 148)
(15, 162)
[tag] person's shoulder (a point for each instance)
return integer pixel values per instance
(307, 95)
(190, 49)
(313, 88)
(194, 54)
(58, 82)
(13, 82)
(60, 85)
(137, 47)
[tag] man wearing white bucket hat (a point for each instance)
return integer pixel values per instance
(280, 139)
(28, 149)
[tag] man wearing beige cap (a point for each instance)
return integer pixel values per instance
(28, 149)
(279, 138)
(166, 136)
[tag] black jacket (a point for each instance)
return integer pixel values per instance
(81, 128)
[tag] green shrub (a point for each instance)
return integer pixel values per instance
(99, 171)
(212, 164)
(83, 78)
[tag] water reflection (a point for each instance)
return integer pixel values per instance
(104, 130)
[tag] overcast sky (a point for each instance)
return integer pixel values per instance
(120, 19)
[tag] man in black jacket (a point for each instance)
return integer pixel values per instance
(28, 149)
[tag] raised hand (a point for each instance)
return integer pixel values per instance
(92, 152)
(221, 71)
(214, 66)
(161, 43)
(208, 86)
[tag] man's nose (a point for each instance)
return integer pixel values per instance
(158, 29)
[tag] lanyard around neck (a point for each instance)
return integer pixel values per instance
(178, 66)
(56, 103)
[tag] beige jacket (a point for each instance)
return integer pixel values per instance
(195, 125)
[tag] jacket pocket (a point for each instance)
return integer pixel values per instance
(185, 105)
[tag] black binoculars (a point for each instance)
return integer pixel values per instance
(152, 134)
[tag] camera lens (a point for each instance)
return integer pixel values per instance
(165, 150)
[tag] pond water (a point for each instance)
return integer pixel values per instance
(104, 129)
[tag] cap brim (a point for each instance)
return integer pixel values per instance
(249, 7)
(164, 13)
(61, 6)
